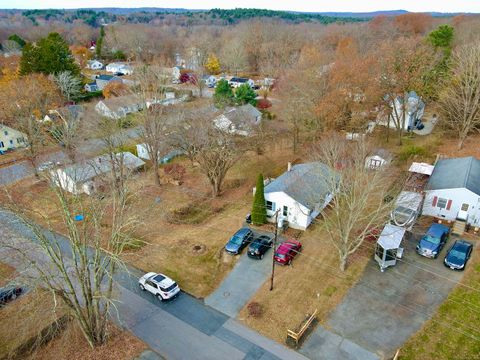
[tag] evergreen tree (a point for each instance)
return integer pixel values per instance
(98, 46)
(245, 95)
(50, 56)
(259, 211)
(17, 39)
(223, 94)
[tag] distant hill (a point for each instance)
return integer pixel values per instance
(100, 16)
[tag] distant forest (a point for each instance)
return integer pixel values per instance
(97, 18)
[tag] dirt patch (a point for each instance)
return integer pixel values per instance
(199, 249)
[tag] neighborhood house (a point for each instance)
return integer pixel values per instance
(453, 191)
(300, 194)
(119, 107)
(86, 177)
(239, 120)
(100, 82)
(11, 139)
(118, 67)
(414, 107)
(94, 65)
(236, 82)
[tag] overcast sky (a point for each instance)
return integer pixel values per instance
(296, 5)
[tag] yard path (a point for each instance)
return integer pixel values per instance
(184, 328)
(241, 283)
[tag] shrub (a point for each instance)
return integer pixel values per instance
(263, 104)
(175, 171)
(255, 309)
(409, 151)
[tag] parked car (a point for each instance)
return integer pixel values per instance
(458, 255)
(433, 241)
(159, 285)
(259, 246)
(287, 251)
(237, 242)
(10, 293)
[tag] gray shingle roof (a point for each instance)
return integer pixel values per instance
(456, 173)
(99, 165)
(243, 116)
(308, 184)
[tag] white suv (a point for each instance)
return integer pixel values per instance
(159, 285)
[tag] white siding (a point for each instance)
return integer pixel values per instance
(11, 138)
(297, 217)
(458, 197)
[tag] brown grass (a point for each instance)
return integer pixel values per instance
(314, 281)
(24, 318)
(6, 273)
(71, 344)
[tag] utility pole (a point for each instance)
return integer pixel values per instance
(273, 249)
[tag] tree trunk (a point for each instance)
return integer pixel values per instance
(157, 177)
(343, 262)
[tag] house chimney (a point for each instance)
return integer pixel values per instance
(289, 166)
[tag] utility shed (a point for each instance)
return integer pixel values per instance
(453, 188)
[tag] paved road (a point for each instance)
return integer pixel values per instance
(184, 328)
(23, 169)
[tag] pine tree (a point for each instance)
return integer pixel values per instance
(245, 95)
(98, 46)
(223, 94)
(259, 211)
(50, 56)
(18, 40)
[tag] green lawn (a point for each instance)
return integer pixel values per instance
(436, 340)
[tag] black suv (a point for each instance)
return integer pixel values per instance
(259, 247)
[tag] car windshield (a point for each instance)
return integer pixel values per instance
(457, 255)
(432, 239)
(170, 288)
(281, 256)
(237, 240)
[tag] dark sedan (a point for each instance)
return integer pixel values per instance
(433, 241)
(259, 247)
(237, 242)
(458, 255)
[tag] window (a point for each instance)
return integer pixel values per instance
(270, 205)
(5, 132)
(285, 210)
(1, 144)
(442, 203)
(374, 163)
(464, 207)
(11, 142)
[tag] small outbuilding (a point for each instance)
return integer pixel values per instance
(388, 248)
(377, 159)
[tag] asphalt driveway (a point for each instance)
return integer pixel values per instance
(384, 309)
(241, 283)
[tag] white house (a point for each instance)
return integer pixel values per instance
(453, 188)
(119, 67)
(239, 120)
(300, 194)
(119, 107)
(176, 73)
(414, 107)
(94, 65)
(11, 139)
(377, 159)
(85, 177)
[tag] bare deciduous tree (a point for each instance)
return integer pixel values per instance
(358, 204)
(80, 267)
(460, 99)
(68, 84)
